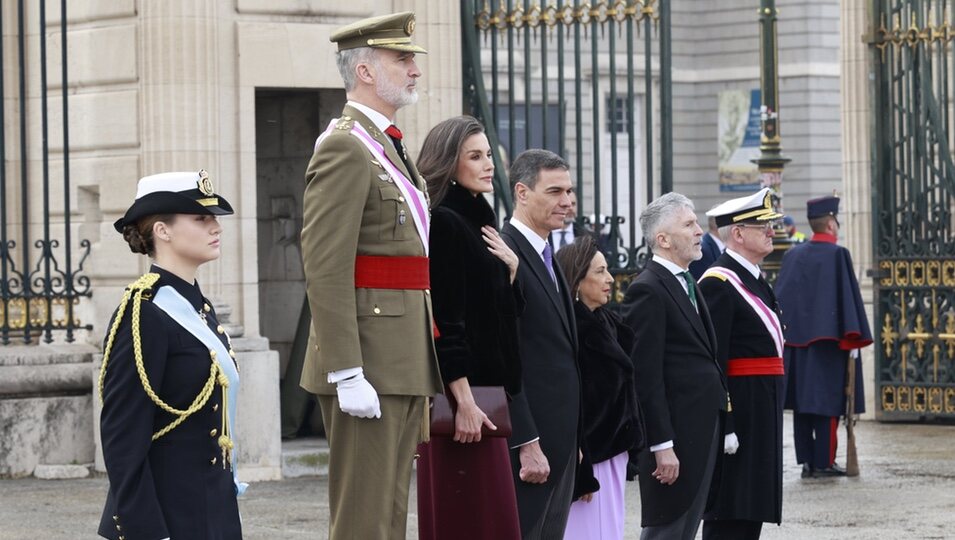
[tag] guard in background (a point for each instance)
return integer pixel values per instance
(750, 351)
(824, 320)
(169, 379)
(370, 357)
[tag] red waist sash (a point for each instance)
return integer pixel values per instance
(743, 367)
(379, 272)
(382, 272)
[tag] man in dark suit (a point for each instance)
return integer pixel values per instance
(679, 383)
(544, 416)
(712, 248)
(750, 337)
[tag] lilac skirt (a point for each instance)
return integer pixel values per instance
(601, 518)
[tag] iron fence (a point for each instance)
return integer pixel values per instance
(913, 198)
(566, 77)
(40, 296)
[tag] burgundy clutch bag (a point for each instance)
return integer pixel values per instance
(490, 399)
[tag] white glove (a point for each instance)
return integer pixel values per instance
(357, 397)
(730, 444)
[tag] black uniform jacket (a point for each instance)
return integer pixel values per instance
(475, 305)
(549, 403)
(175, 486)
(679, 384)
(751, 486)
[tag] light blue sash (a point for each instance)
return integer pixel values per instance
(181, 311)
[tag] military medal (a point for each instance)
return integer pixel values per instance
(402, 217)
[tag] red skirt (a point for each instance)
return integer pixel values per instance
(466, 491)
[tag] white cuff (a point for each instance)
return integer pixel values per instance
(535, 439)
(342, 374)
(661, 446)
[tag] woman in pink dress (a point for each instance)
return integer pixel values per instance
(611, 425)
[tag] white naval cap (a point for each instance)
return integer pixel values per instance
(174, 193)
(755, 207)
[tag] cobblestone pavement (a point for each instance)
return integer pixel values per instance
(906, 490)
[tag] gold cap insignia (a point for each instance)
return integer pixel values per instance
(205, 183)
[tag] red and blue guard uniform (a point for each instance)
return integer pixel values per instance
(824, 319)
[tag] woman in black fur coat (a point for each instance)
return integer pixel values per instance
(612, 425)
(465, 487)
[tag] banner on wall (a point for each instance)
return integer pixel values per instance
(738, 140)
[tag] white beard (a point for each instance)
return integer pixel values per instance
(396, 96)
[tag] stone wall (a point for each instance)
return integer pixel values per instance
(45, 404)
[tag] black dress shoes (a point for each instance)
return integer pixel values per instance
(833, 470)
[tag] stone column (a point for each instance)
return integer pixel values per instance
(439, 31)
(856, 206)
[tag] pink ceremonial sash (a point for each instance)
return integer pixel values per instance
(769, 318)
(413, 195)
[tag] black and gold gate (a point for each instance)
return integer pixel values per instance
(913, 197)
(589, 81)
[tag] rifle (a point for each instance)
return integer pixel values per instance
(852, 459)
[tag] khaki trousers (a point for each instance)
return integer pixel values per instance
(369, 467)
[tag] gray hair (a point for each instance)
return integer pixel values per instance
(726, 231)
(349, 59)
(527, 166)
(659, 213)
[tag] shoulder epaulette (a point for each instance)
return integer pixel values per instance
(145, 282)
(345, 123)
(713, 274)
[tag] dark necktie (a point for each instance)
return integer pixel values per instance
(690, 288)
(563, 239)
(549, 261)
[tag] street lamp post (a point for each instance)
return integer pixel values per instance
(771, 161)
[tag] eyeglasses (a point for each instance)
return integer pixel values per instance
(765, 227)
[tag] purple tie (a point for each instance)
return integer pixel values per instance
(549, 261)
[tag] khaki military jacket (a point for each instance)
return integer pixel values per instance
(351, 208)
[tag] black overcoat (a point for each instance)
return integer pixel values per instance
(175, 486)
(548, 406)
(680, 387)
(612, 421)
(752, 478)
(475, 305)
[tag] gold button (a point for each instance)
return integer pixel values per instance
(215, 407)
(118, 528)
(121, 537)
(231, 353)
(212, 353)
(214, 432)
(220, 329)
(377, 310)
(427, 291)
(115, 518)
(206, 308)
(213, 460)
(401, 199)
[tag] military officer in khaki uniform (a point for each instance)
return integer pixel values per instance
(365, 248)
